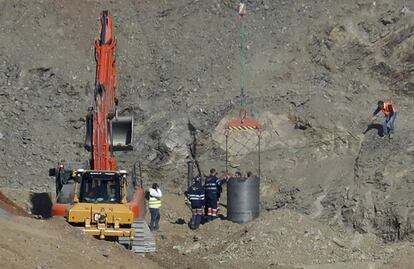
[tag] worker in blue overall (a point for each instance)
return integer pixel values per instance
(195, 195)
(211, 189)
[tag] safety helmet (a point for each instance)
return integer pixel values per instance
(197, 179)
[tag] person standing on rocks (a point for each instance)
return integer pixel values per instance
(154, 204)
(211, 188)
(390, 113)
(195, 194)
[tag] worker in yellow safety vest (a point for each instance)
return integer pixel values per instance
(154, 204)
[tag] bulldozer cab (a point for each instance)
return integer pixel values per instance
(101, 187)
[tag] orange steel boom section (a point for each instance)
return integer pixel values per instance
(105, 99)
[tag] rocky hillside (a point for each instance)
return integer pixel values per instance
(314, 74)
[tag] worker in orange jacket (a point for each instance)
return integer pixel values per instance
(390, 114)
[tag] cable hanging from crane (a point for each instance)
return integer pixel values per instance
(242, 12)
(242, 123)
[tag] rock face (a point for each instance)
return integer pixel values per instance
(314, 74)
(38, 121)
(380, 199)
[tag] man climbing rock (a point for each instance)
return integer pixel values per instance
(390, 114)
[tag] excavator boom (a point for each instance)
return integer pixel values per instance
(105, 96)
(106, 132)
(98, 196)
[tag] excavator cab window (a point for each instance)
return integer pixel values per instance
(100, 188)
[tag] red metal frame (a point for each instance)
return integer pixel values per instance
(242, 124)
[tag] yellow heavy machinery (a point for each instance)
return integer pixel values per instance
(104, 201)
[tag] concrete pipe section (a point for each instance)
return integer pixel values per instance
(243, 199)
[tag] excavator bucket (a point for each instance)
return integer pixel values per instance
(122, 133)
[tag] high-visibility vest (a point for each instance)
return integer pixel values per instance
(154, 202)
(386, 107)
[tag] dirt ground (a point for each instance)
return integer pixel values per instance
(9, 206)
(277, 239)
(335, 192)
(282, 239)
(34, 243)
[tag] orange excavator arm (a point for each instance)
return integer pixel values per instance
(105, 101)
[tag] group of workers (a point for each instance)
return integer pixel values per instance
(205, 200)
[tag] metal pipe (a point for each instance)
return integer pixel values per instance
(111, 135)
(227, 153)
(190, 173)
(141, 179)
(259, 136)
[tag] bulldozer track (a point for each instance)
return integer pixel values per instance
(144, 241)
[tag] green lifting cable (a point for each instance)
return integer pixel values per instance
(242, 11)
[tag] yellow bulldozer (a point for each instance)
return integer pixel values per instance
(95, 195)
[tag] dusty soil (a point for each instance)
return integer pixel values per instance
(277, 239)
(282, 239)
(30, 243)
(10, 207)
(314, 72)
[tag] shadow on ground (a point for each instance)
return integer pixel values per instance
(41, 205)
(376, 126)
